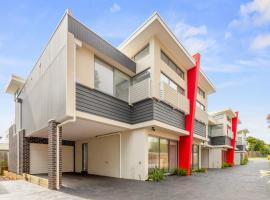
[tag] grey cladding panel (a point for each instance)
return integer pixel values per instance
(200, 128)
(166, 114)
(89, 37)
(221, 140)
(97, 103)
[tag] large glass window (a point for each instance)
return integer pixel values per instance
(173, 85)
(172, 65)
(103, 77)
(141, 76)
(201, 92)
(162, 153)
(121, 85)
(153, 152)
(195, 156)
(200, 105)
(111, 81)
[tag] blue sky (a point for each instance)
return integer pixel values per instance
(233, 38)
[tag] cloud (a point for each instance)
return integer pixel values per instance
(223, 68)
(115, 8)
(256, 13)
(194, 38)
(260, 42)
(227, 35)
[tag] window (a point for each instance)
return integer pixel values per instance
(162, 153)
(144, 52)
(173, 85)
(103, 77)
(200, 105)
(172, 65)
(111, 81)
(201, 92)
(121, 85)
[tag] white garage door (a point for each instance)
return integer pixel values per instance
(237, 157)
(39, 158)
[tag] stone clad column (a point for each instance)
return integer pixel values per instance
(54, 154)
(24, 153)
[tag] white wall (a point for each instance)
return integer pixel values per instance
(134, 155)
(103, 155)
(237, 158)
(39, 158)
(215, 158)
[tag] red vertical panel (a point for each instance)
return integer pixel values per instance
(230, 152)
(185, 142)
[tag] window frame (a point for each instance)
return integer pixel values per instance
(166, 59)
(147, 46)
(200, 105)
(201, 92)
(179, 89)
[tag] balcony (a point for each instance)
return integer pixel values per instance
(174, 98)
(221, 140)
(201, 115)
(230, 133)
(140, 91)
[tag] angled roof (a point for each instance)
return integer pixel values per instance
(15, 84)
(205, 81)
(155, 26)
(228, 111)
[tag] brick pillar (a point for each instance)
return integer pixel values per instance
(53, 153)
(24, 153)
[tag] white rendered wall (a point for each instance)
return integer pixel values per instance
(205, 158)
(237, 158)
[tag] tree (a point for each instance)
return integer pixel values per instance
(255, 144)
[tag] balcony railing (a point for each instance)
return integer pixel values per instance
(201, 115)
(230, 133)
(174, 98)
(140, 91)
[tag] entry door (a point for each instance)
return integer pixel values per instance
(195, 156)
(85, 157)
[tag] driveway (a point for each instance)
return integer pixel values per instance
(240, 182)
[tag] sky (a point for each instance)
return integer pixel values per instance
(233, 38)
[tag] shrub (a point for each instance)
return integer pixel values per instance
(225, 165)
(244, 161)
(180, 172)
(3, 166)
(156, 175)
(202, 170)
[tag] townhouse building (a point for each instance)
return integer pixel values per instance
(222, 129)
(89, 107)
(241, 146)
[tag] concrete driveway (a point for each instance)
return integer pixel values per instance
(241, 182)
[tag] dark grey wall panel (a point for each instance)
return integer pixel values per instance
(89, 37)
(142, 111)
(221, 140)
(167, 114)
(200, 128)
(241, 147)
(97, 103)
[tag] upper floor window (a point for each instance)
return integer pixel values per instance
(172, 65)
(142, 53)
(201, 92)
(111, 81)
(200, 105)
(173, 85)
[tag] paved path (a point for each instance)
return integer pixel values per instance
(251, 182)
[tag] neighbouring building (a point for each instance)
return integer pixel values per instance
(222, 129)
(241, 146)
(88, 107)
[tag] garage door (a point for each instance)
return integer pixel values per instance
(39, 158)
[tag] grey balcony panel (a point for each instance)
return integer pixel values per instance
(166, 114)
(221, 140)
(92, 39)
(200, 128)
(241, 147)
(94, 102)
